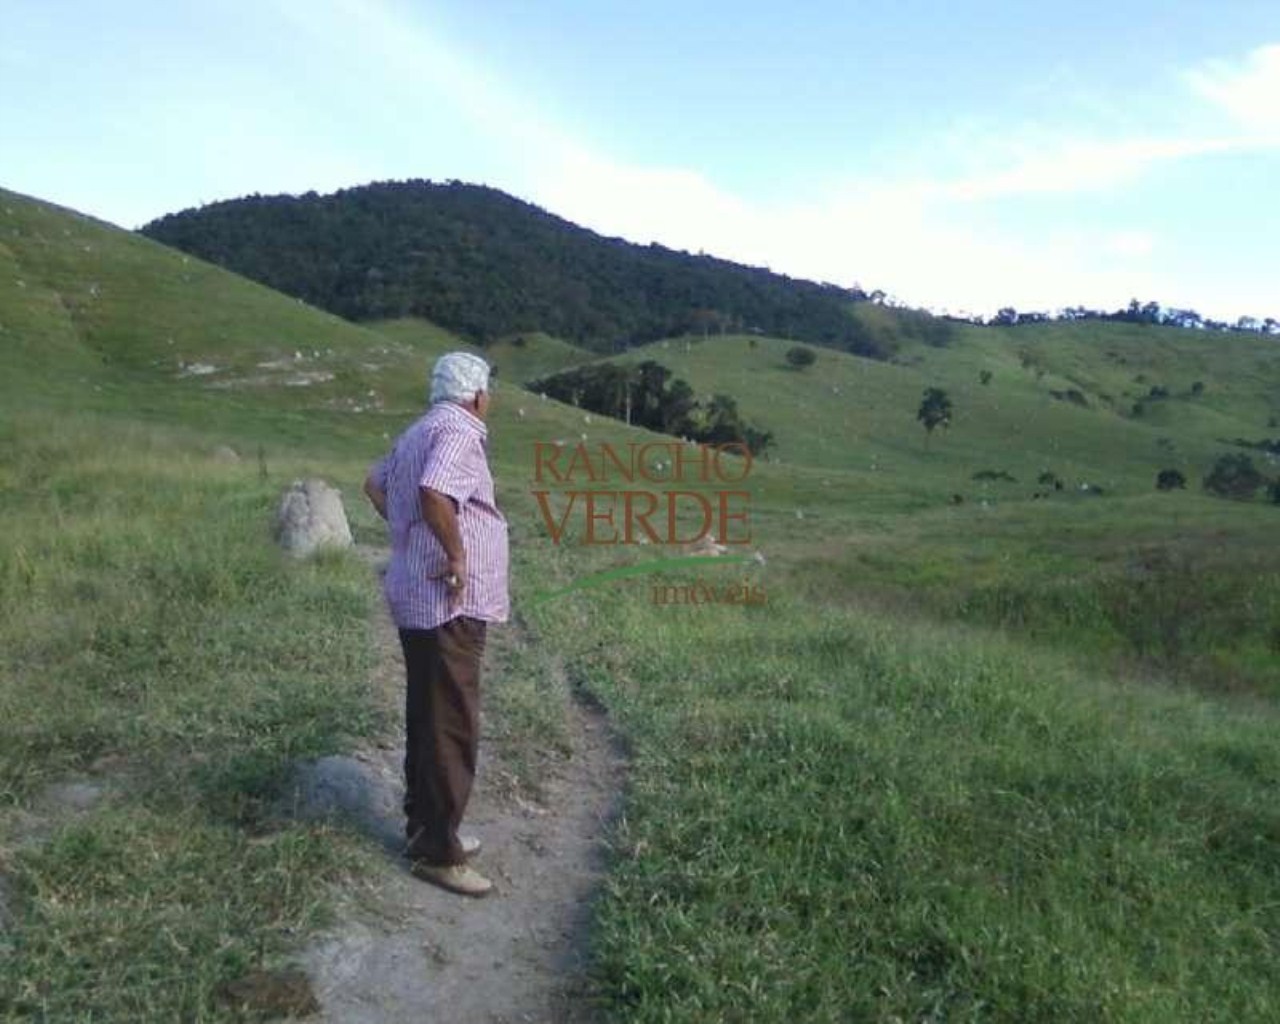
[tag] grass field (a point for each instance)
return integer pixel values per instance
(839, 815)
(517, 359)
(1007, 760)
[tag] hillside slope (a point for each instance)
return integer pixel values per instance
(485, 264)
(100, 317)
(1028, 747)
(1060, 404)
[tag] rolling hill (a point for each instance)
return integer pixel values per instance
(487, 265)
(1009, 759)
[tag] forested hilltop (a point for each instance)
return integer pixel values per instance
(485, 264)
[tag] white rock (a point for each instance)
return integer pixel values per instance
(311, 516)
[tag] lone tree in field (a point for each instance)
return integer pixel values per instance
(1170, 480)
(799, 356)
(1234, 476)
(934, 411)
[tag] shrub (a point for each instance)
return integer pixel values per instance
(1170, 480)
(1073, 395)
(800, 356)
(1233, 476)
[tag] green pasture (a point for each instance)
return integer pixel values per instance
(1008, 759)
(838, 813)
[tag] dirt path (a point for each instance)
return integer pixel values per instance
(407, 951)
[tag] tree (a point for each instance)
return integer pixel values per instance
(678, 406)
(1234, 476)
(863, 341)
(723, 425)
(934, 411)
(985, 377)
(799, 356)
(1170, 480)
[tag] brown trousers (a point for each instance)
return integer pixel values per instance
(442, 733)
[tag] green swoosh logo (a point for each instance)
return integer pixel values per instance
(642, 569)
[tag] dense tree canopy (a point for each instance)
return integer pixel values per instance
(649, 396)
(485, 264)
(1152, 313)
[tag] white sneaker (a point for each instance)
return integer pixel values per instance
(459, 878)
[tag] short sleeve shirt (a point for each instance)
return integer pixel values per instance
(445, 450)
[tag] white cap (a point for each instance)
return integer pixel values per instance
(457, 376)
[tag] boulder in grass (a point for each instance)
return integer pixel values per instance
(310, 517)
(705, 546)
(364, 790)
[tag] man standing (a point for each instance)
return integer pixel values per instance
(446, 581)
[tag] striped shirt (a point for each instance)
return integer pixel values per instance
(446, 451)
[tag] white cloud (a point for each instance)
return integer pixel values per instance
(906, 240)
(1249, 92)
(670, 205)
(926, 239)
(1078, 166)
(427, 92)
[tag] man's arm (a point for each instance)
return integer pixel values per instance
(376, 495)
(440, 514)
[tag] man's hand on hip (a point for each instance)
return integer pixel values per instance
(455, 580)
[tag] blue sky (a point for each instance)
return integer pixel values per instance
(960, 156)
